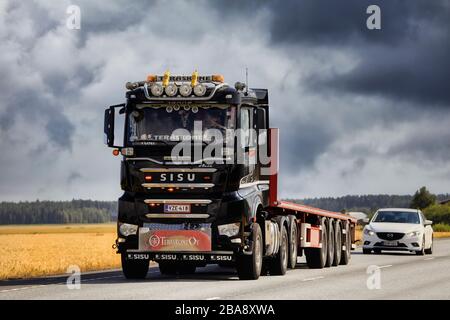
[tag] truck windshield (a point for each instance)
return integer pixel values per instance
(397, 217)
(150, 123)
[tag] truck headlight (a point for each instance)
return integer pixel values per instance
(156, 89)
(171, 89)
(200, 90)
(414, 234)
(368, 232)
(185, 89)
(126, 229)
(229, 230)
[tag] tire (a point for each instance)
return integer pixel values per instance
(331, 244)
(430, 249)
(134, 269)
(377, 251)
(293, 245)
(167, 268)
(249, 266)
(422, 250)
(346, 254)
(316, 257)
(337, 244)
(367, 251)
(279, 264)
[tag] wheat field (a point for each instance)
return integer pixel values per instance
(32, 251)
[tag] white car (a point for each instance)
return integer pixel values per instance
(400, 230)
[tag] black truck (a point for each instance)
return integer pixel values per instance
(199, 173)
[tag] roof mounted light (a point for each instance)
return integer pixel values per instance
(157, 89)
(151, 78)
(171, 89)
(218, 78)
(185, 89)
(194, 79)
(200, 90)
(166, 78)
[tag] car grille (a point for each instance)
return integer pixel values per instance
(390, 235)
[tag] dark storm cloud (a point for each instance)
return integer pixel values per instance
(301, 142)
(406, 60)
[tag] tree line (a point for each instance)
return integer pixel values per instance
(365, 203)
(57, 212)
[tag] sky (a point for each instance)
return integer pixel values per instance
(360, 111)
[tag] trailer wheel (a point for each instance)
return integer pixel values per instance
(338, 244)
(134, 269)
(331, 243)
(278, 265)
(167, 268)
(249, 266)
(316, 257)
(346, 255)
(293, 244)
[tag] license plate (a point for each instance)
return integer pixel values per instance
(390, 243)
(177, 208)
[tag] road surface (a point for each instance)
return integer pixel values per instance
(400, 275)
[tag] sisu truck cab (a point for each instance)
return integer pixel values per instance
(199, 173)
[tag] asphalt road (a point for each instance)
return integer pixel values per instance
(400, 275)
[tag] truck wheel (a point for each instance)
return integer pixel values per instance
(331, 243)
(293, 245)
(167, 268)
(338, 244)
(249, 266)
(346, 254)
(316, 257)
(134, 269)
(278, 264)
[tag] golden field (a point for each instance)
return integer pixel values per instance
(32, 251)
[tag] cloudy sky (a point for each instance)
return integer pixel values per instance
(361, 111)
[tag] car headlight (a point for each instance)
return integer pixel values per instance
(368, 232)
(229, 230)
(127, 229)
(414, 234)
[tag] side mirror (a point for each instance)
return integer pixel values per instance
(109, 124)
(428, 222)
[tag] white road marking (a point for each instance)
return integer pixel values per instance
(312, 279)
(426, 259)
(213, 298)
(386, 266)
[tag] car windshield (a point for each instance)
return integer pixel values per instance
(397, 217)
(159, 122)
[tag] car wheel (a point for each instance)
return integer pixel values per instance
(367, 251)
(377, 251)
(421, 252)
(430, 249)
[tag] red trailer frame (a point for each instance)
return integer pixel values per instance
(300, 211)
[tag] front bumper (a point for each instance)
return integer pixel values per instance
(197, 257)
(406, 243)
